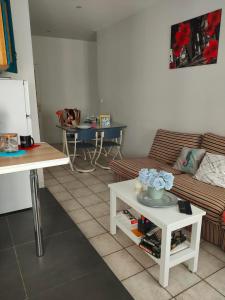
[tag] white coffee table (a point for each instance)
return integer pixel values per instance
(168, 219)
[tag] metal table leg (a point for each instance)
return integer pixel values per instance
(36, 213)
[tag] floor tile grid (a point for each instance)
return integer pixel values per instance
(105, 171)
(201, 279)
(207, 282)
(204, 279)
(109, 171)
(85, 207)
(193, 285)
(134, 257)
(123, 248)
(17, 261)
(205, 249)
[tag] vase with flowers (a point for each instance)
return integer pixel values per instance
(155, 182)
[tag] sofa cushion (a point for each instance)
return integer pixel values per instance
(189, 160)
(213, 143)
(208, 197)
(212, 170)
(167, 145)
(129, 168)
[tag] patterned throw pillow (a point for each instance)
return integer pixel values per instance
(212, 170)
(189, 160)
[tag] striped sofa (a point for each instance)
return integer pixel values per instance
(164, 151)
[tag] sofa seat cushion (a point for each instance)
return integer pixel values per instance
(129, 168)
(167, 145)
(208, 197)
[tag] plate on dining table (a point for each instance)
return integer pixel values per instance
(84, 126)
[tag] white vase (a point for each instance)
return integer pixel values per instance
(155, 194)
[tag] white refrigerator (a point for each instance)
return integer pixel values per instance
(15, 191)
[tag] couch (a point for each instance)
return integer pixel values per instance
(165, 149)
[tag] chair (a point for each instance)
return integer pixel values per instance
(110, 138)
(68, 118)
(85, 139)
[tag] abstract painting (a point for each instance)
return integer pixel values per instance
(7, 45)
(196, 41)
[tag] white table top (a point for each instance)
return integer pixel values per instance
(160, 216)
(41, 157)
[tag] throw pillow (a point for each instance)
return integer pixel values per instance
(212, 170)
(189, 160)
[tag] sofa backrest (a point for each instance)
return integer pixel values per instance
(213, 143)
(167, 144)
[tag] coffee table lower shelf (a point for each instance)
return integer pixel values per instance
(179, 254)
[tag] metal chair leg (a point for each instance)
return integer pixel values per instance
(67, 151)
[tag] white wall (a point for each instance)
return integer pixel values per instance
(67, 77)
(24, 51)
(23, 44)
(137, 86)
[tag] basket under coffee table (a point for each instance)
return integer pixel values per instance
(168, 219)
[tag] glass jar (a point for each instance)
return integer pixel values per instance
(9, 142)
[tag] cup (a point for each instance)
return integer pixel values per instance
(26, 141)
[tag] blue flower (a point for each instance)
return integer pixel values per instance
(158, 180)
(168, 178)
(159, 183)
(143, 176)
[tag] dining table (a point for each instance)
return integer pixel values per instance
(40, 157)
(70, 130)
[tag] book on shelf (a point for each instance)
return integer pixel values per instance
(151, 243)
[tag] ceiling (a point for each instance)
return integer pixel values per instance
(80, 19)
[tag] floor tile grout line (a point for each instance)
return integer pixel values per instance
(124, 248)
(203, 278)
(213, 255)
(186, 289)
(200, 279)
(214, 273)
(213, 287)
(102, 226)
(84, 207)
(65, 282)
(17, 260)
(144, 269)
(68, 190)
(157, 282)
(124, 279)
(116, 240)
(5, 249)
(45, 237)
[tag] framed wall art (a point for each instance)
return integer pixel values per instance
(195, 42)
(105, 120)
(7, 44)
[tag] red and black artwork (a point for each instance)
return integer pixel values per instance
(195, 42)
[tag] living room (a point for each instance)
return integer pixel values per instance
(112, 59)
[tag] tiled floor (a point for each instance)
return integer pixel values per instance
(70, 268)
(85, 197)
